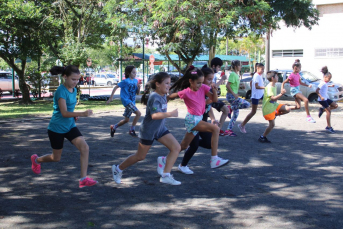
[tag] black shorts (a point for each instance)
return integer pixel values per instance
(326, 103)
(218, 105)
(57, 139)
(149, 142)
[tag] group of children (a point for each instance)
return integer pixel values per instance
(199, 92)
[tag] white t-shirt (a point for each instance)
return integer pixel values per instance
(257, 93)
(323, 86)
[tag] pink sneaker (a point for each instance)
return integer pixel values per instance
(87, 182)
(230, 133)
(35, 166)
(242, 128)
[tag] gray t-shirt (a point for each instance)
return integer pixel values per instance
(153, 129)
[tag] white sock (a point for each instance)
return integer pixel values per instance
(165, 174)
(214, 157)
(118, 169)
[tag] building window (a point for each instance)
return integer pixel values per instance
(288, 53)
(328, 52)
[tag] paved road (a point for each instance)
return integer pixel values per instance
(295, 182)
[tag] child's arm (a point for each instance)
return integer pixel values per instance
(213, 95)
(111, 97)
(162, 115)
(332, 85)
(138, 87)
(172, 96)
(304, 84)
(276, 97)
(224, 77)
(66, 114)
(283, 83)
(259, 87)
(319, 95)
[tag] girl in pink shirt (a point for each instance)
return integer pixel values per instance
(294, 81)
(192, 90)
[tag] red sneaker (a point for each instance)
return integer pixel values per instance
(223, 133)
(35, 166)
(87, 182)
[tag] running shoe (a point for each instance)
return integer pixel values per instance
(116, 175)
(36, 168)
(113, 130)
(161, 162)
(321, 111)
(242, 129)
(87, 182)
(223, 133)
(310, 119)
(264, 140)
(169, 180)
(330, 129)
(230, 133)
(218, 162)
(230, 112)
(185, 169)
(133, 133)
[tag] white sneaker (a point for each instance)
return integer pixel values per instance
(311, 120)
(116, 175)
(169, 180)
(161, 163)
(218, 162)
(185, 169)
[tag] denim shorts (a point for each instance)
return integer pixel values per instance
(192, 121)
(129, 109)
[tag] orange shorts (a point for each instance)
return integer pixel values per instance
(272, 115)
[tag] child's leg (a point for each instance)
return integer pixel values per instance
(54, 157)
(235, 106)
(250, 115)
(305, 100)
(140, 155)
(208, 127)
(284, 110)
(173, 145)
(328, 116)
(333, 106)
(135, 120)
(122, 122)
(233, 118)
(83, 147)
(269, 128)
(225, 112)
(193, 147)
(187, 139)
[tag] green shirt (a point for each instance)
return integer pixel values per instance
(269, 106)
(234, 80)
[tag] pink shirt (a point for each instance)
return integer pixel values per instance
(294, 80)
(195, 100)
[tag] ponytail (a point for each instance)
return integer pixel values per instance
(70, 69)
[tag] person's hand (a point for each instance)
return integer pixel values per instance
(332, 85)
(215, 122)
(224, 77)
(76, 118)
(87, 113)
(321, 98)
(109, 100)
(208, 101)
(310, 85)
(283, 91)
(174, 113)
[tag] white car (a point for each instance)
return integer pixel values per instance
(6, 82)
(105, 79)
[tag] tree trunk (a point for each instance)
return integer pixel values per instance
(211, 55)
(24, 88)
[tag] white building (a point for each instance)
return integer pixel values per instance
(323, 45)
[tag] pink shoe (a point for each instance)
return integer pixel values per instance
(230, 133)
(242, 128)
(35, 166)
(87, 182)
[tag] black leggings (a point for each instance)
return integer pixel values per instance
(204, 142)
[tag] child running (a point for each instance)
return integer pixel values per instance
(270, 107)
(294, 81)
(193, 93)
(128, 90)
(202, 139)
(232, 96)
(327, 104)
(153, 128)
(216, 64)
(62, 124)
(257, 87)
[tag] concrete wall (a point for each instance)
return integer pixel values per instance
(328, 34)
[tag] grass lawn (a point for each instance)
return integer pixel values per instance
(12, 109)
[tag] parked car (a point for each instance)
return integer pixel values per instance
(114, 78)
(334, 93)
(103, 79)
(6, 82)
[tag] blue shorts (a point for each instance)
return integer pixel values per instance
(295, 90)
(255, 101)
(326, 103)
(149, 142)
(129, 109)
(192, 121)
